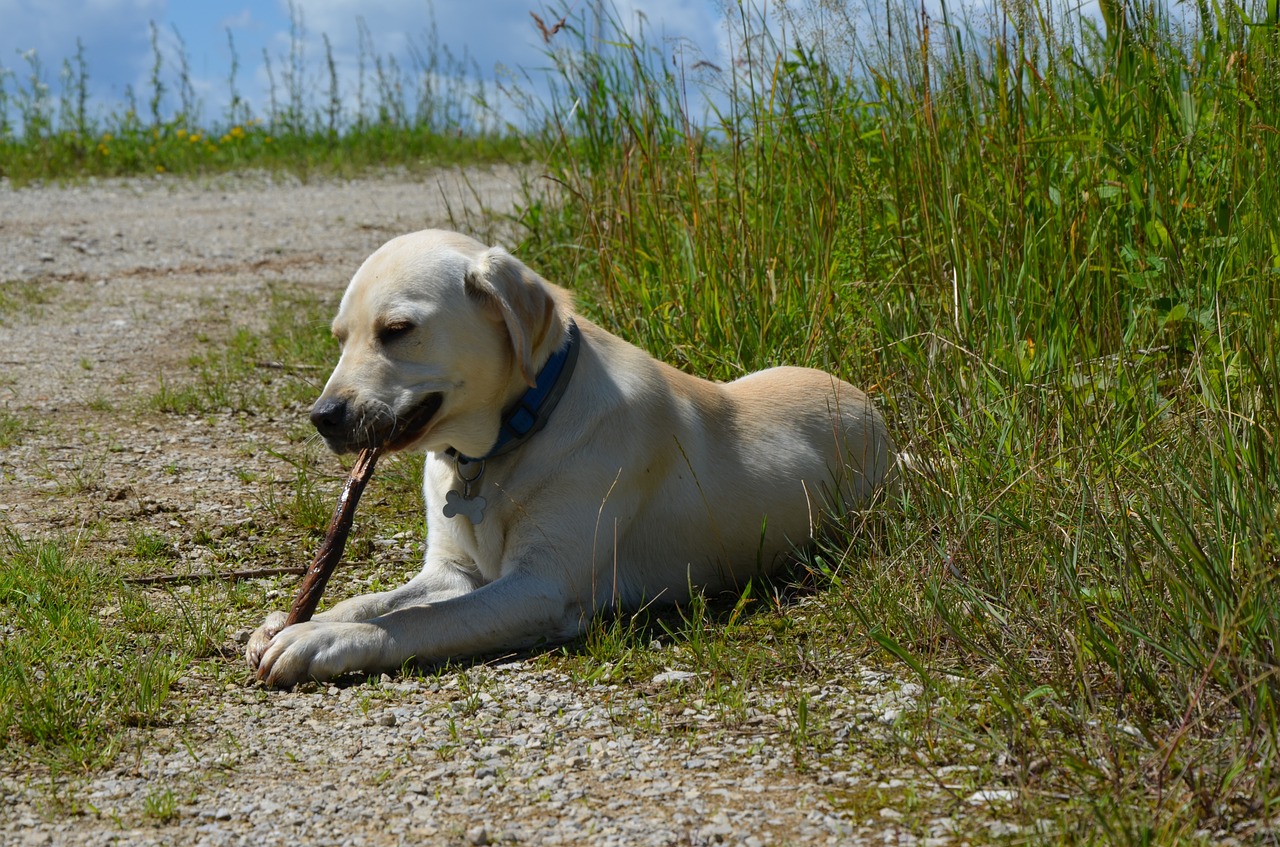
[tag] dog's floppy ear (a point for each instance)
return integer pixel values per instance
(518, 297)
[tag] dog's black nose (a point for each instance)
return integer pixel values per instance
(329, 417)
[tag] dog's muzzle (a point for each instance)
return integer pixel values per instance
(347, 429)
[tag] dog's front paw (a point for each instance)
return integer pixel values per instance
(320, 650)
(261, 638)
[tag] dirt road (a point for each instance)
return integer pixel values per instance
(109, 287)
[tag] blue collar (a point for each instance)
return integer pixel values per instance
(529, 414)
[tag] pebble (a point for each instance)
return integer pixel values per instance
(993, 795)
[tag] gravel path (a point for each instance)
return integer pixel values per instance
(493, 753)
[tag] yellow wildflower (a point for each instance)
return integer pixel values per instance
(182, 133)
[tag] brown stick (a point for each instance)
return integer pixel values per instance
(335, 538)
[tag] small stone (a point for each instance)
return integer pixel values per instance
(478, 836)
(993, 795)
(718, 831)
(386, 719)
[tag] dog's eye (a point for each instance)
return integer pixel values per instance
(390, 332)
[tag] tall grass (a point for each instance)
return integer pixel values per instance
(1051, 247)
(434, 109)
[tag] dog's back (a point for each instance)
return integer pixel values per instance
(707, 485)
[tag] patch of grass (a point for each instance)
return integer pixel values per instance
(150, 547)
(258, 369)
(71, 680)
(160, 806)
(12, 429)
(78, 474)
(24, 297)
(300, 503)
(1051, 250)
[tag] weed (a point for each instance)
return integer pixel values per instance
(149, 546)
(81, 473)
(12, 429)
(160, 806)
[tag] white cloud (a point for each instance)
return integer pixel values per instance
(489, 32)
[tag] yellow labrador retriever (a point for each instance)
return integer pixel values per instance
(567, 471)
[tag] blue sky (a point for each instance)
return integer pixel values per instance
(116, 39)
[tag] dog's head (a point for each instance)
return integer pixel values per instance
(439, 334)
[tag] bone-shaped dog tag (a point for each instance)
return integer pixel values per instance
(470, 508)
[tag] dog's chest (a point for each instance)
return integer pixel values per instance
(471, 522)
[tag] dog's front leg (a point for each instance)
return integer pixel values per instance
(439, 579)
(521, 609)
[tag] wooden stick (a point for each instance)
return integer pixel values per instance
(335, 538)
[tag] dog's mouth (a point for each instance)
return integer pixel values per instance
(411, 426)
(347, 428)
